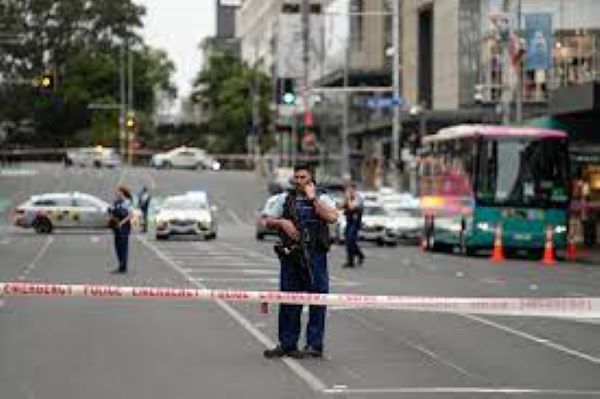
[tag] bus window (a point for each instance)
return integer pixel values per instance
(523, 172)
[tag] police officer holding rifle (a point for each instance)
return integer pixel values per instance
(302, 216)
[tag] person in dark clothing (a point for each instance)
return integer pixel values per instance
(353, 209)
(120, 212)
(144, 198)
(301, 216)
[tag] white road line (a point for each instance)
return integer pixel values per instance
(462, 390)
(416, 346)
(236, 218)
(237, 280)
(230, 265)
(538, 340)
(225, 271)
(151, 178)
(31, 265)
(315, 383)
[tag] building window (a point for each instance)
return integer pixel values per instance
(290, 8)
(574, 58)
(357, 7)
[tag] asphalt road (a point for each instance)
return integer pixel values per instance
(83, 348)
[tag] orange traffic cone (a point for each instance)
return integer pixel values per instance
(548, 258)
(571, 247)
(498, 252)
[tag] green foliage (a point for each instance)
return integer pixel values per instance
(80, 41)
(225, 88)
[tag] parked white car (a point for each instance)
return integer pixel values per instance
(93, 156)
(185, 158)
(406, 226)
(375, 221)
(186, 214)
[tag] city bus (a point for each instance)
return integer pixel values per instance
(480, 181)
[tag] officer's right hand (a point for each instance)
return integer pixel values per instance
(287, 226)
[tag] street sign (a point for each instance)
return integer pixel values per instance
(384, 102)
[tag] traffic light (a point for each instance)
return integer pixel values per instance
(286, 91)
(46, 81)
(131, 123)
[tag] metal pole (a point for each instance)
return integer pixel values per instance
(130, 107)
(396, 123)
(123, 100)
(506, 86)
(519, 106)
(255, 110)
(305, 62)
(345, 164)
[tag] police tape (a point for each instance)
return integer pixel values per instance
(572, 307)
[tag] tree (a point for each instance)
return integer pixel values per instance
(225, 87)
(79, 41)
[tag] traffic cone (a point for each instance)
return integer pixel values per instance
(571, 247)
(548, 258)
(498, 252)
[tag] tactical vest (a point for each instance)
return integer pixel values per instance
(315, 229)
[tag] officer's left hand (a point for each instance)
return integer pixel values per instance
(310, 190)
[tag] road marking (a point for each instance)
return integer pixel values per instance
(237, 265)
(31, 265)
(18, 172)
(337, 389)
(236, 218)
(541, 341)
(418, 347)
(94, 239)
(315, 383)
(242, 271)
(237, 280)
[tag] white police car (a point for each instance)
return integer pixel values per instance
(45, 212)
(187, 214)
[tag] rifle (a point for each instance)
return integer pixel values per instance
(304, 239)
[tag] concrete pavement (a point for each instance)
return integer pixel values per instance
(74, 348)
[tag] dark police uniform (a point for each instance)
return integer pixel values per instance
(144, 203)
(119, 210)
(294, 279)
(353, 224)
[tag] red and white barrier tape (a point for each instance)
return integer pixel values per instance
(550, 307)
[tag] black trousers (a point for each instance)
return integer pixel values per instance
(122, 249)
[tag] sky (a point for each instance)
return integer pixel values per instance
(178, 26)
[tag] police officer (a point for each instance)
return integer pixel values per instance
(353, 209)
(144, 203)
(121, 214)
(301, 216)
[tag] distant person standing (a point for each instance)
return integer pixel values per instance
(144, 198)
(353, 209)
(121, 213)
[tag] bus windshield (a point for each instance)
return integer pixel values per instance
(522, 172)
